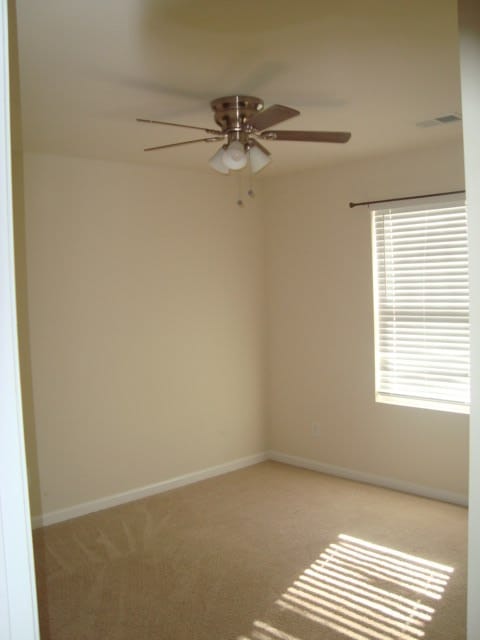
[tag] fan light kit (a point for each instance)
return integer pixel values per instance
(242, 123)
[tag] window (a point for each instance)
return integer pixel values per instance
(420, 264)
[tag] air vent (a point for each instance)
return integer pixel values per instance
(445, 119)
(451, 117)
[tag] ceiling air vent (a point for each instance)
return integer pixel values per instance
(445, 119)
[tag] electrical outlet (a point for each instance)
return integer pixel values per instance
(315, 430)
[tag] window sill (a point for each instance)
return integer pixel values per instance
(418, 403)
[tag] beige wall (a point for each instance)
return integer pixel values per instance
(145, 292)
(321, 360)
(146, 297)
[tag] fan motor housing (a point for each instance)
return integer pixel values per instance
(232, 112)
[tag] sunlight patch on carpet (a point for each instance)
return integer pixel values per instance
(361, 590)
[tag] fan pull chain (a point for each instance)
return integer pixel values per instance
(250, 192)
(250, 189)
(239, 183)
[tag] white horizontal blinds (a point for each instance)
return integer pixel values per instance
(422, 300)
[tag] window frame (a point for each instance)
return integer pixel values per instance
(381, 395)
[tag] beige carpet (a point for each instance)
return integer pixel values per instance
(266, 553)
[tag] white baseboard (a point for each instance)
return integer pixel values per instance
(367, 478)
(306, 463)
(142, 492)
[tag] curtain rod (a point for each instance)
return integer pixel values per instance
(428, 195)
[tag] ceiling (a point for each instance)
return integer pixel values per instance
(375, 68)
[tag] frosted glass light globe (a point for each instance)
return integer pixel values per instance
(217, 163)
(258, 159)
(234, 155)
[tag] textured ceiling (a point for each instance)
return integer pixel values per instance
(375, 68)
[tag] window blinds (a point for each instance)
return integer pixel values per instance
(422, 303)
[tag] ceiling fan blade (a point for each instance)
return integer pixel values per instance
(179, 144)
(307, 136)
(272, 115)
(175, 124)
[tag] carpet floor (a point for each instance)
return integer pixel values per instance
(270, 552)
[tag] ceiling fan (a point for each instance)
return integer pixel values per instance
(243, 122)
